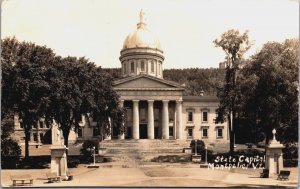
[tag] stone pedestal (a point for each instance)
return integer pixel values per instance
(121, 136)
(59, 161)
(274, 156)
(196, 158)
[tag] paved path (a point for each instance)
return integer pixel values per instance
(181, 175)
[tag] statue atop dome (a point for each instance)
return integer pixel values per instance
(142, 23)
(142, 18)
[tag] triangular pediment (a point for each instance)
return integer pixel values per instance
(145, 82)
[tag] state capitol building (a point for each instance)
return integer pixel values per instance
(156, 108)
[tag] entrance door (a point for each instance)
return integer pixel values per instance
(155, 132)
(128, 133)
(143, 131)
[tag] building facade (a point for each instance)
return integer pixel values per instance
(156, 108)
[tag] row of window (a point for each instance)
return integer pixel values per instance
(190, 132)
(143, 67)
(190, 117)
(204, 132)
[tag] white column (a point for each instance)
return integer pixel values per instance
(121, 135)
(165, 119)
(179, 119)
(136, 124)
(150, 130)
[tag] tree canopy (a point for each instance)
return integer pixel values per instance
(270, 89)
(234, 45)
(37, 83)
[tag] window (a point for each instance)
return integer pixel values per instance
(156, 114)
(35, 125)
(171, 131)
(41, 137)
(34, 136)
(219, 132)
(204, 116)
(96, 131)
(129, 114)
(204, 132)
(142, 66)
(190, 132)
(143, 114)
(132, 67)
(124, 67)
(79, 132)
(190, 116)
(152, 66)
(158, 69)
(41, 124)
(171, 114)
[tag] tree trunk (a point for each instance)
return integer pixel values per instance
(231, 134)
(66, 136)
(27, 138)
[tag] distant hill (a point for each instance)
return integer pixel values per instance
(194, 79)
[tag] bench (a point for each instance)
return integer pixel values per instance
(283, 175)
(52, 177)
(22, 180)
(265, 173)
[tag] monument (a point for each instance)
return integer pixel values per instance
(58, 153)
(274, 156)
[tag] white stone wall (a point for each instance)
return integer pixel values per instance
(197, 108)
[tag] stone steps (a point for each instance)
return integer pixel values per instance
(138, 151)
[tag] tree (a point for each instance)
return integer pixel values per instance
(272, 80)
(104, 106)
(81, 89)
(24, 89)
(234, 45)
(9, 147)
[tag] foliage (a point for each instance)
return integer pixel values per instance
(24, 89)
(290, 151)
(200, 146)
(86, 150)
(73, 162)
(10, 149)
(37, 83)
(271, 78)
(234, 45)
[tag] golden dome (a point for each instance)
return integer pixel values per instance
(142, 37)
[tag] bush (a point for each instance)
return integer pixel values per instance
(290, 162)
(290, 151)
(87, 152)
(200, 146)
(9, 148)
(73, 162)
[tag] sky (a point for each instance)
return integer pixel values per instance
(96, 29)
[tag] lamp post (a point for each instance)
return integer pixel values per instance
(205, 154)
(94, 154)
(195, 147)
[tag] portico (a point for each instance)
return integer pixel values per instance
(153, 119)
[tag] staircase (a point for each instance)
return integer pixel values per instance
(142, 150)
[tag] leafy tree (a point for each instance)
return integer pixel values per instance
(234, 45)
(81, 88)
(24, 89)
(272, 80)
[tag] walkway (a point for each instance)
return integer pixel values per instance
(154, 174)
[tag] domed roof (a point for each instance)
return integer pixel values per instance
(141, 37)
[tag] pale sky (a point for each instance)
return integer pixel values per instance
(186, 29)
